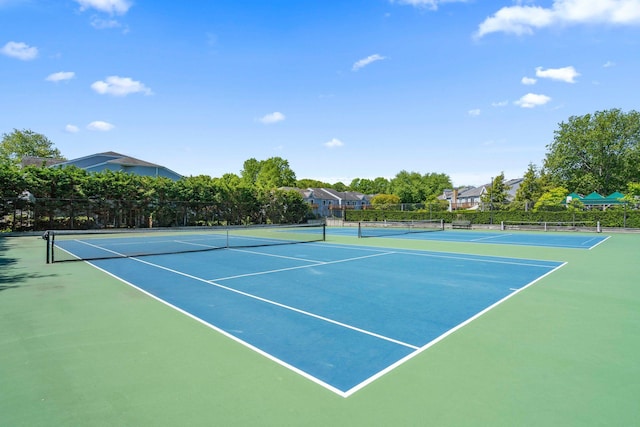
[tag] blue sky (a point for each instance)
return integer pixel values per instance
(341, 89)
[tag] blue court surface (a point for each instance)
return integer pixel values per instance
(339, 315)
(544, 239)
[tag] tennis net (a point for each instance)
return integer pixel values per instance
(87, 245)
(551, 225)
(392, 228)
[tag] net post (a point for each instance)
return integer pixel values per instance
(47, 238)
(598, 228)
(52, 237)
(545, 226)
(324, 232)
(442, 224)
(501, 225)
(359, 229)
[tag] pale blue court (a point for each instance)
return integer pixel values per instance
(339, 315)
(544, 239)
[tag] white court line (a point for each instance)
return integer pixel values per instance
(318, 263)
(226, 334)
(600, 242)
(121, 242)
(315, 264)
(274, 255)
(418, 350)
(491, 237)
(443, 336)
(449, 255)
(268, 301)
(525, 244)
(531, 263)
(198, 244)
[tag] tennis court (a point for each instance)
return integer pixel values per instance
(339, 333)
(518, 238)
(339, 315)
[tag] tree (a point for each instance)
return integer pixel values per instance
(552, 200)
(412, 187)
(435, 184)
(12, 181)
(498, 193)
(159, 193)
(596, 152)
(530, 188)
(250, 170)
(378, 185)
(340, 186)
(311, 183)
(12, 184)
(384, 200)
(275, 173)
(20, 143)
(633, 194)
(408, 187)
(284, 207)
(574, 205)
(268, 174)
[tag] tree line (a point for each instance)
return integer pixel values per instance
(70, 197)
(595, 152)
(263, 192)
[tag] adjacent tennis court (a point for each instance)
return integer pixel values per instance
(519, 238)
(339, 315)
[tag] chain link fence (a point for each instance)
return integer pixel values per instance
(24, 214)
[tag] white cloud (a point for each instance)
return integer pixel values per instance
(366, 61)
(431, 4)
(565, 74)
(104, 24)
(528, 81)
(120, 86)
(100, 126)
(608, 64)
(113, 7)
(521, 20)
(19, 50)
(516, 19)
(532, 100)
(500, 104)
(71, 129)
(334, 143)
(475, 112)
(60, 76)
(271, 118)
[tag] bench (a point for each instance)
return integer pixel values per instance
(461, 223)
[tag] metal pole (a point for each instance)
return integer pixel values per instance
(47, 238)
(491, 203)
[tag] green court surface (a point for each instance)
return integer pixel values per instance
(81, 348)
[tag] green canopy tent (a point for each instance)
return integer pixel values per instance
(596, 200)
(573, 196)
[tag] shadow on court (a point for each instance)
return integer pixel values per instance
(11, 275)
